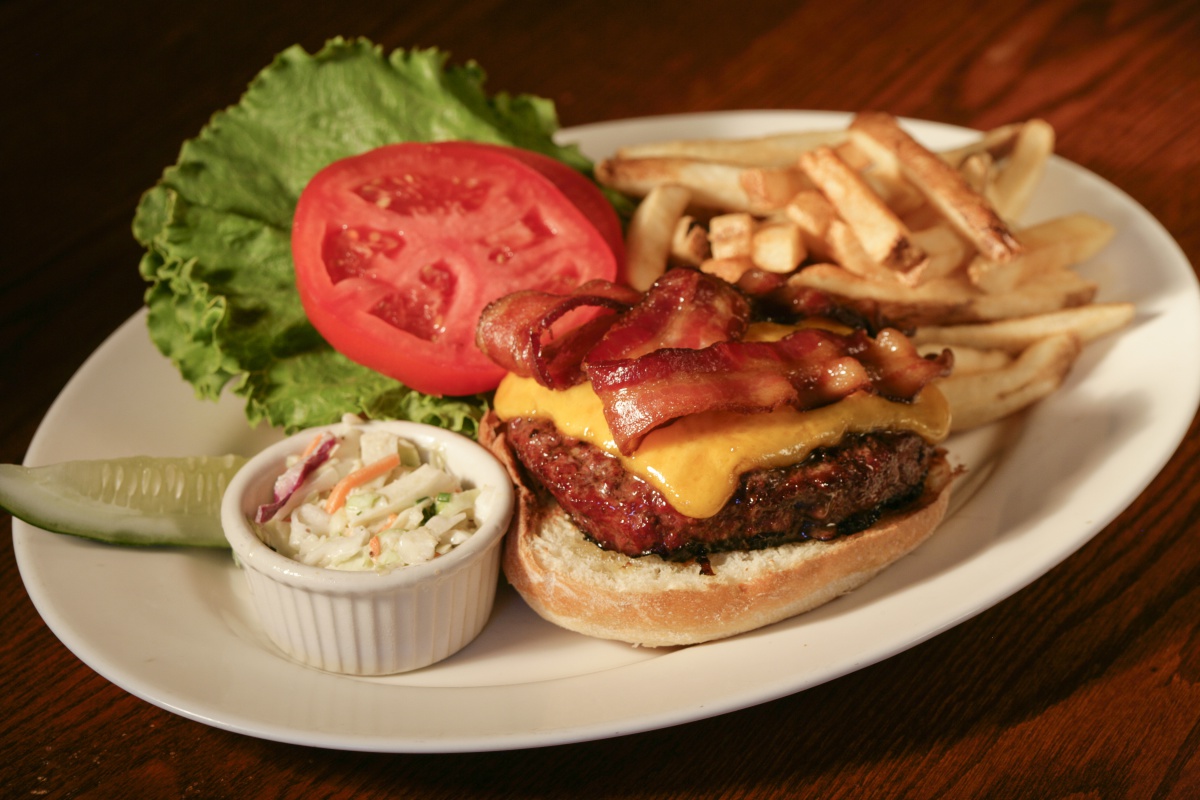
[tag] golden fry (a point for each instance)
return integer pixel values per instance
(883, 237)
(777, 247)
(812, 214)
(1051, 245)
(770, 189)
(945, 249)
(776, 150)
(713, 186)
(729, 269)
(650, 233)
(943, 186)
(996, 142)
(1018, 175)
(689, 243)
(980, 398)
(731, 235)
(1087, 323)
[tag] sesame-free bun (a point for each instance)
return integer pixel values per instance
(571, 582)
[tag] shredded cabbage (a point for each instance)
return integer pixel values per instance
(410, 513)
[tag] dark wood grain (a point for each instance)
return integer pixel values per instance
(1085, 684)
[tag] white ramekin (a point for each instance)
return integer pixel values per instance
(367, 623)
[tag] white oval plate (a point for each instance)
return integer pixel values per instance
(176, 628)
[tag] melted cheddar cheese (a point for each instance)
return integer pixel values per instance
(696, 461)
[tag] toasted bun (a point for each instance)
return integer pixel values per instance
(571, 582)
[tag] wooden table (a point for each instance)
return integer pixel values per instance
(1085, 684)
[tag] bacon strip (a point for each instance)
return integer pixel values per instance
(515, 331)
(684, 308)
(677, 352)
(807, 369)
(898, 371)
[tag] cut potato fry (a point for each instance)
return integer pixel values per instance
(1087, 323)
(925, 303)
(812, 214)
(951, 300)
(650, 233)
(1012, 185)
(1051, 245)
(1048, 291)
(778, 247)
(976, 169)
(941, 184)
(731, 235)
(996, 142)
(845, 248)
(944, 248)
(883, 237)
(713, 186)
(729, 269)
(769, 190)
(775, 150)
(689, 243)
(980, 398)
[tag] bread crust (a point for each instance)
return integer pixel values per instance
(651, 602)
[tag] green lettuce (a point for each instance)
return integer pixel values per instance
(216, 227)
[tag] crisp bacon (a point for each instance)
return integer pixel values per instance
(898, 371)
(807, 369)
(684, 308)
(515, 331)
(677, 351)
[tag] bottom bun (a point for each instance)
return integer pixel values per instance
(647, 601)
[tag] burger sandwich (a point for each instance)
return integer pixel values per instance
(690, 468)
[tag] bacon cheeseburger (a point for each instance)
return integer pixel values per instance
(686, 473)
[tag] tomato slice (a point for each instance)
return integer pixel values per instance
(398, 250)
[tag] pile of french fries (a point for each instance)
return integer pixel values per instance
(930, 240)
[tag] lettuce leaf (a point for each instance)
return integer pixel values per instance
(216, 227)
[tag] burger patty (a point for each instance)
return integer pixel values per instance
(836, 491)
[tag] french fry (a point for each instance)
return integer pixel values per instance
(775, 150)
(997, 142)
(1087, 323)
(777, 247)
(729, 269)
(883, 237)
(769, 189)
(1048, 291)
(926, 303)
(713, 186)
(845, 248)
(1013, 182)
(980, 398)
(650, 233)
(881, 170)
(950, 300)
(1054, 244)
(731, 235)
(976, 169)
(852, 154)
(689, 243)
(812, 214)
(945, 249)
(942, 185)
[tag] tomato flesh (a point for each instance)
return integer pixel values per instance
(398, 250)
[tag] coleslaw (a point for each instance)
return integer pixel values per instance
(362, 498)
